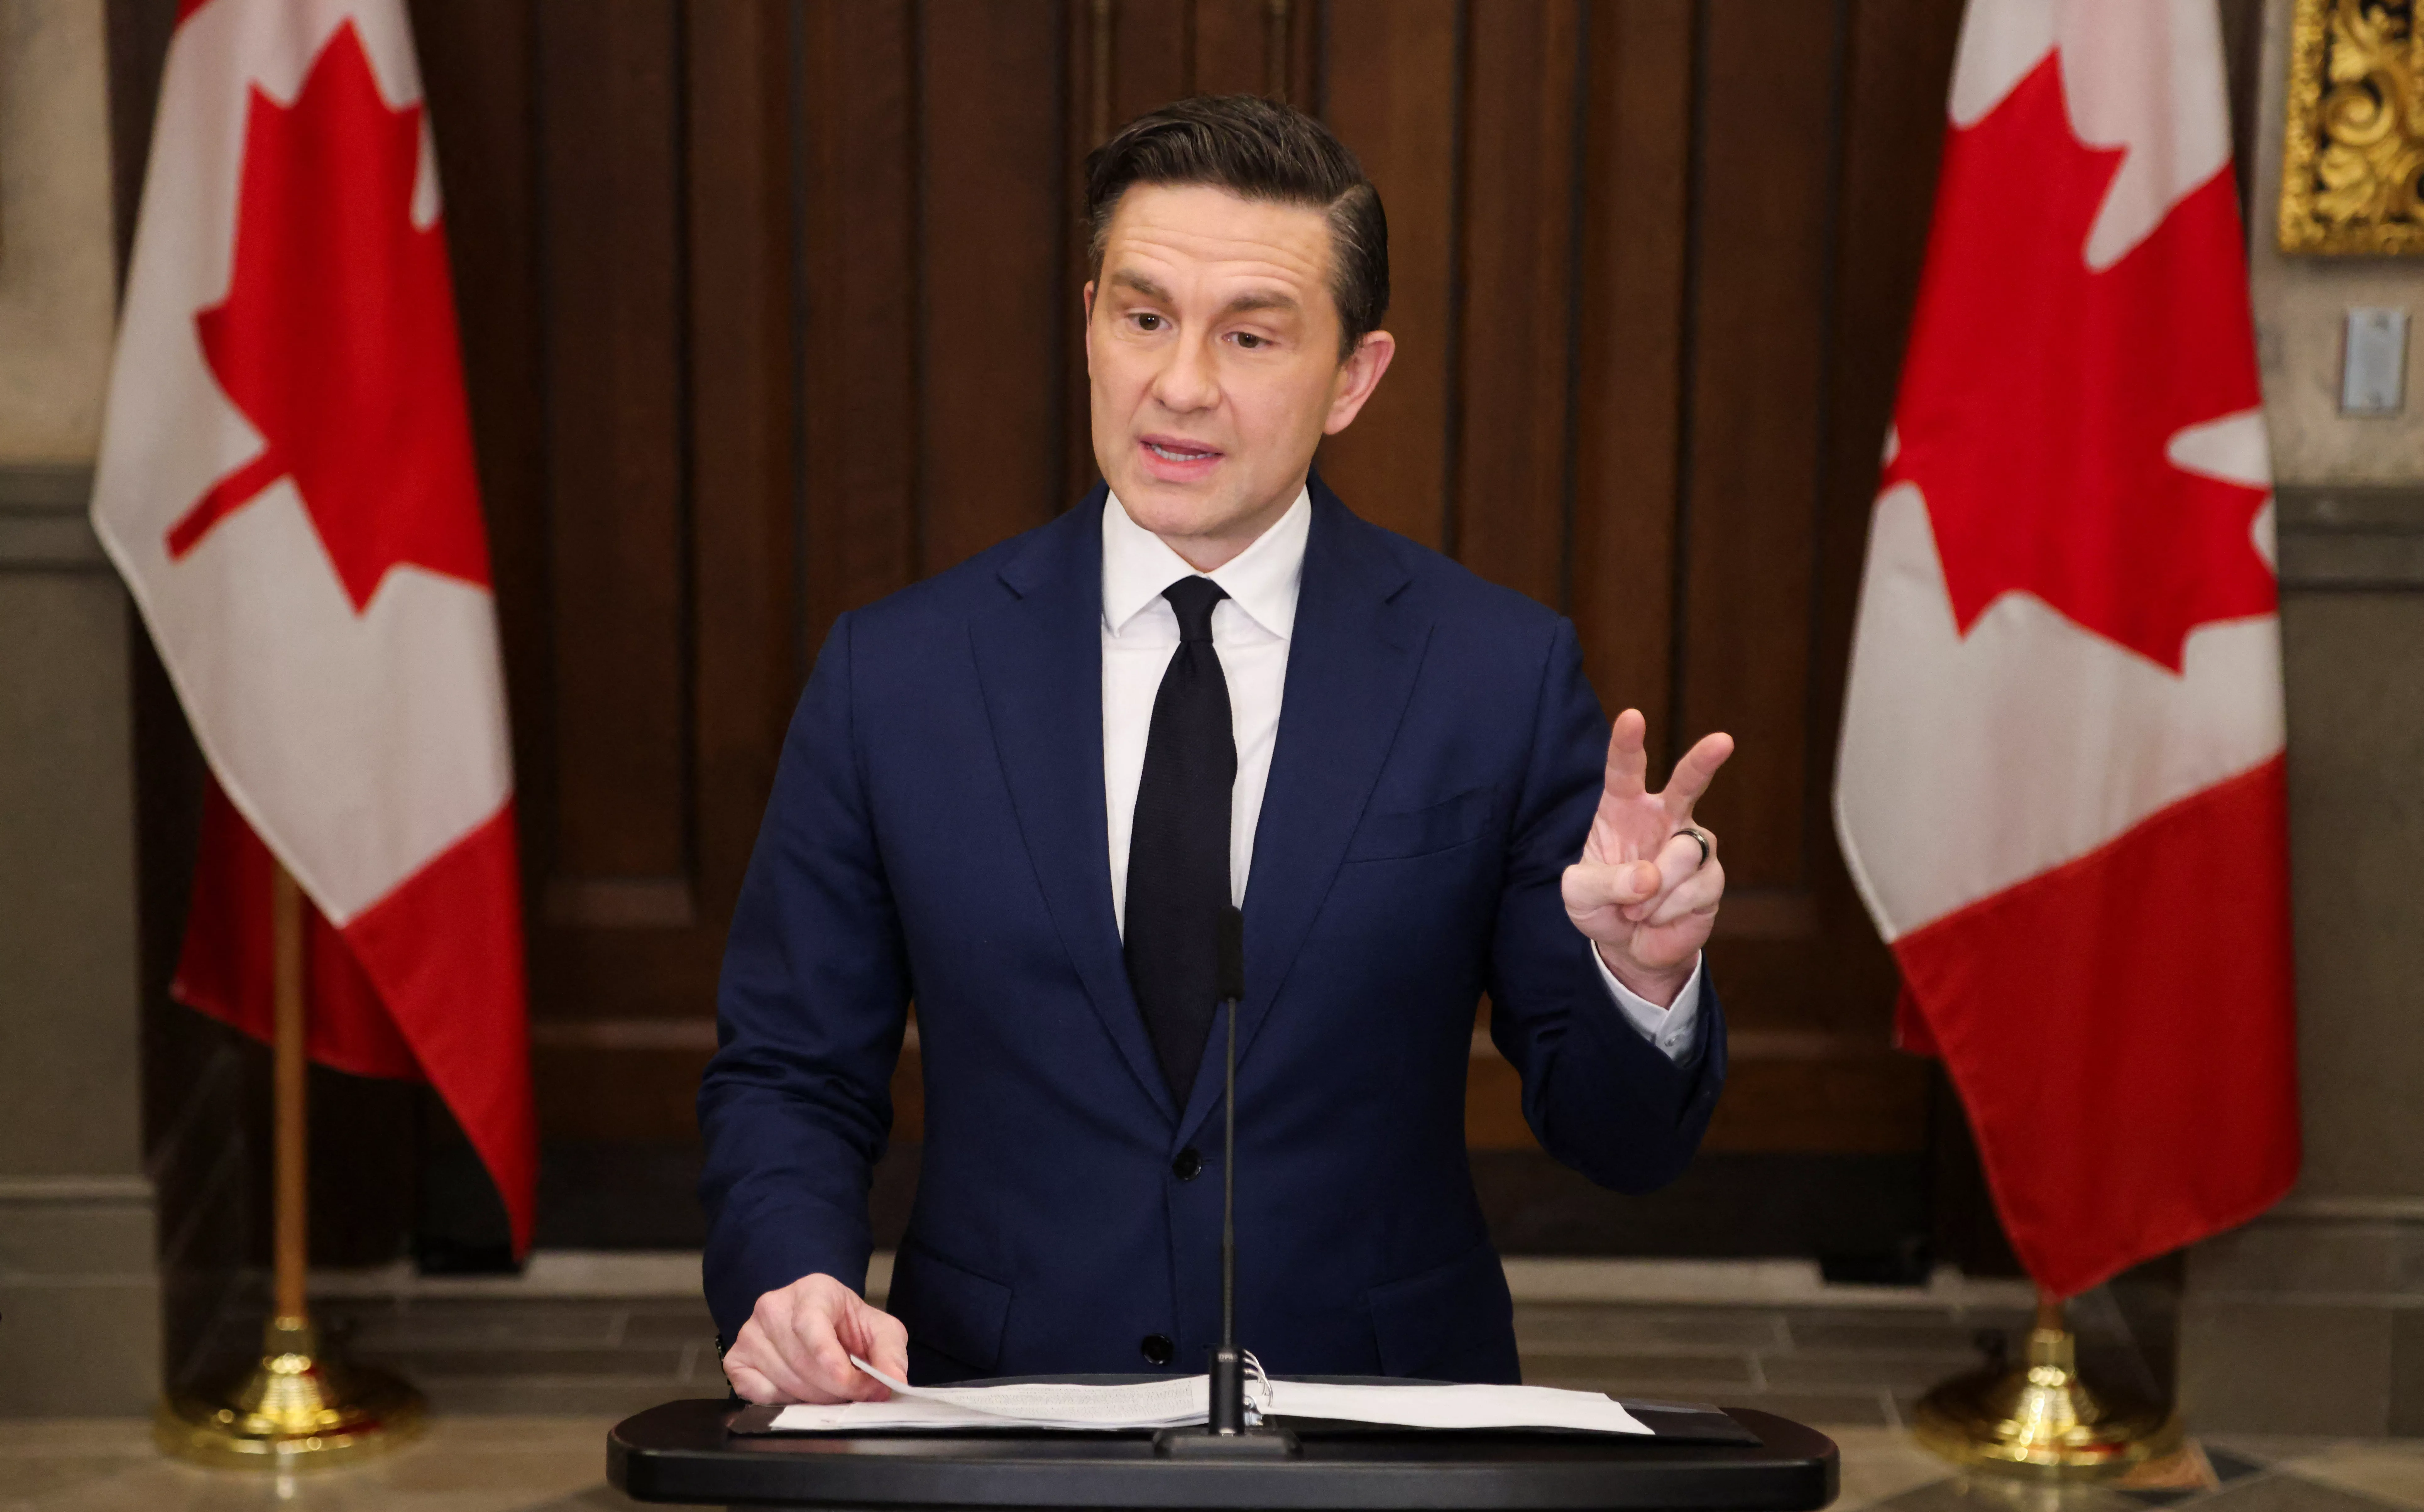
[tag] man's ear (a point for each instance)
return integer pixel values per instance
(1086, 297)
(1356, 378)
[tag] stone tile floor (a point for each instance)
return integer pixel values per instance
(524, 1376)
(462, 1464)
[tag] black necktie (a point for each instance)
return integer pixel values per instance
(1179, 851)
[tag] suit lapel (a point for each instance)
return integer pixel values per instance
(1351, 664)
(1039, 658)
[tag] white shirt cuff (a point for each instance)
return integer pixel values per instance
(1675, 1030)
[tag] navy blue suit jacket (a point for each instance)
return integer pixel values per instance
(936, 833)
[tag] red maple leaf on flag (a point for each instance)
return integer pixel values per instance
(337, 336)
(2038, 395)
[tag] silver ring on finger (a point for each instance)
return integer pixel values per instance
(1699, 838)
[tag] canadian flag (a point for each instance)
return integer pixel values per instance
(2060, 788)
(286, 483)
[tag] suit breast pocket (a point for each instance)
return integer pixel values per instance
(1396, 834)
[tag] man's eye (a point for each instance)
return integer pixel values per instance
(1250, 341)
(1148, 321)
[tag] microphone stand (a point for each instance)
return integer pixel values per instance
(1224, 1434)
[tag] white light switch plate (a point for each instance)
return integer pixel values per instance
(2373, 362)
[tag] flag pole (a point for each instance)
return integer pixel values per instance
(290, 1114)
(2038, 1417)
(294, 1407)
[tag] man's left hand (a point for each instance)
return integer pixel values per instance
(1643, 891)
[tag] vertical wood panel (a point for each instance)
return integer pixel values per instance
(1832, 977)
(1389, 98)
(1518, 228)
(1152, 46)
(1298, 33)
(858, 236)
(990, 274)
(741, 256)
(1636, 167)
(1767, 170)
(478, 77)
(1232, 46)
(1088, 52)
(1898, 68)
(615, 360)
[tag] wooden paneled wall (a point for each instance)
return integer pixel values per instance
(771, 308)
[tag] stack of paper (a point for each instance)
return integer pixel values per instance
(1181, 1401)
(1160, 1404)
(1454, 1407)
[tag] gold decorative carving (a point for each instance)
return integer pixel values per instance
(2354, 159)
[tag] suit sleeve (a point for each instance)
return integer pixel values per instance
(1598, 1094)
(796, 1104)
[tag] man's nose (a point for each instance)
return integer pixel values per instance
(1188, 382)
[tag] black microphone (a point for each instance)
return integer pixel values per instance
(1224, 1432)
(1228, 1405)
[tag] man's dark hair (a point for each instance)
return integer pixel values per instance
(1256, 149)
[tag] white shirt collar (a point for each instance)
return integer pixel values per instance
(1261, 580)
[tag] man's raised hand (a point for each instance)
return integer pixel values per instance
(1642, 891)
(797, 1344)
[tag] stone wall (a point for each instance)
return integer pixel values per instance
(79, 1296)
(2311, 1320)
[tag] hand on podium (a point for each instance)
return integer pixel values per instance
(797, 1344)
(1647, 888)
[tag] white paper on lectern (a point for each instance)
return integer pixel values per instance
(901, 1413)
(1157, 1404)
(1454, 1406)
(1181, 1401)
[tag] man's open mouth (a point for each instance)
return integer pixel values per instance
(1180, 453)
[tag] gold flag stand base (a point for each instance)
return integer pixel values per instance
(293, 1411)
(297, 1409)
(2039, 1418)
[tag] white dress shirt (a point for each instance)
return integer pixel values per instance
(1250, 631)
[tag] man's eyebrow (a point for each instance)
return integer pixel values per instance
(1274, 299)
(1261, 299)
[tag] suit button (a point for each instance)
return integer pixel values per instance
(1158, 1349)
(1189, 1165)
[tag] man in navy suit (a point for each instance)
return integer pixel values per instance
(1020, 793)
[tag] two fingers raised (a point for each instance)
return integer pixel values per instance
(1627, 776)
